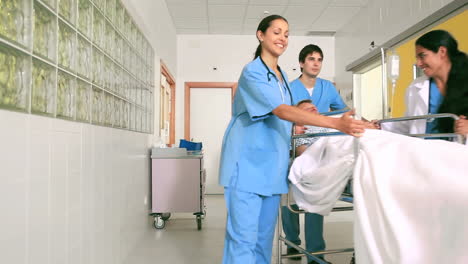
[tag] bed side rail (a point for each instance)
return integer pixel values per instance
(458, 138)
(336, 112)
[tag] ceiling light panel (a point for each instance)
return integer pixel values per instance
(254, 11)
(340, 15)
(268, 2)
(226, 11)
(303, 14)
(191, 23)
(359, 3)
(188, 11)
(228, 2)
(308, 2)
(186, 2)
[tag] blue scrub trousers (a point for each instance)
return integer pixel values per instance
(313, 229)
(250, 227)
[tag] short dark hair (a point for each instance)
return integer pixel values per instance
(304, 101)
(309, 49)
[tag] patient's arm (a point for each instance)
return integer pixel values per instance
(301, 149)
(372, 124)
(303, 143)
(299, 129)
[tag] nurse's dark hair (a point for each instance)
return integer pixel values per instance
(263, 26)
(309, 49)
(456, 97)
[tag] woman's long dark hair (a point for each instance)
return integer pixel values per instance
(456, 97)
(263, 26)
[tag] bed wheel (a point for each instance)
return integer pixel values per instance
(159, 222)
(165, 216)
(199, 222)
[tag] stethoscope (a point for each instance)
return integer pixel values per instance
(279, 85)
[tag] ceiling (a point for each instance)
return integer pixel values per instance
(234, 17)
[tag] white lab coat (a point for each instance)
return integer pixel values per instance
(417, 103)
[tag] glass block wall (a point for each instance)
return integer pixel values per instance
(80, 60)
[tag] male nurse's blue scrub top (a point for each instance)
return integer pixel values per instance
(255, 151)
(324, 96)
(435, 99)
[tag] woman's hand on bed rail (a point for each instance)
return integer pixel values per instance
(370, 124)
(461, 125)
(347, 124)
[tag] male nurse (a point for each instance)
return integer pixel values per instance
(326, 98)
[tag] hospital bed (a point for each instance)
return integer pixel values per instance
(347, 195)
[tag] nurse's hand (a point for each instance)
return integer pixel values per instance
(461, 125)
(347, 124)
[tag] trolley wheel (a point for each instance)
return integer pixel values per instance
(199, 222)
(165, 216)
(159, 222)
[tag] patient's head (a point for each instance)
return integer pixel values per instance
(307, 105)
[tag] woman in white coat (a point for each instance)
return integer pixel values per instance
(443, 89)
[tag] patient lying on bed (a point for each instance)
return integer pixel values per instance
(303, 143)
(410, 195)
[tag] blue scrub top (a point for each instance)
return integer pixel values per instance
(435, 99)
(324, 96)
(255, 151)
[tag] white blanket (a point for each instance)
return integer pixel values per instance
(410, 196)
(320, 174)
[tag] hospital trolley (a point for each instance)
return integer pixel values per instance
(177, 185)
(347, 195)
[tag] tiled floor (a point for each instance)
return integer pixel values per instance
(180, 242)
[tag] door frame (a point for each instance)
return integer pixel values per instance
(189, 86)
(170, 79)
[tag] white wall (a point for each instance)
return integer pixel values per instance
(370, 103)
(70, 192)
(74, 192)
(198, 54)
(380, 21)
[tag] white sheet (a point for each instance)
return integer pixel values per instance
(320, 174)
(410, 196)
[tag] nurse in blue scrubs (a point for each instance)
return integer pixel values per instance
(326, 98)
(255, 151)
